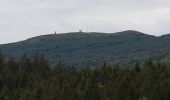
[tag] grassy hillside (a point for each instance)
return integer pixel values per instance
(91, 48)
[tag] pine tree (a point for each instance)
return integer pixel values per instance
(2, 61)
(24, 70)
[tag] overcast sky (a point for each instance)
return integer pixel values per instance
(21, 19)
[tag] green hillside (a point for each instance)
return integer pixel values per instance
(91, 48)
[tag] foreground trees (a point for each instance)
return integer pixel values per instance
(32, 79)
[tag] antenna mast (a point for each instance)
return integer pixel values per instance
(87, 29)
(91, 28)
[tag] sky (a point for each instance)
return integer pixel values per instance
(22, 19)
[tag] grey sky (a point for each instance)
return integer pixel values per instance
(21, 19)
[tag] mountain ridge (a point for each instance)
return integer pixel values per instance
(115, 33)
(77, 48)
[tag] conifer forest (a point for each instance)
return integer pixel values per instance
(32, 78)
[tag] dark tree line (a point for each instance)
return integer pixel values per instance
(34, 79)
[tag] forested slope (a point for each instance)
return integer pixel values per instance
(93, 48)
